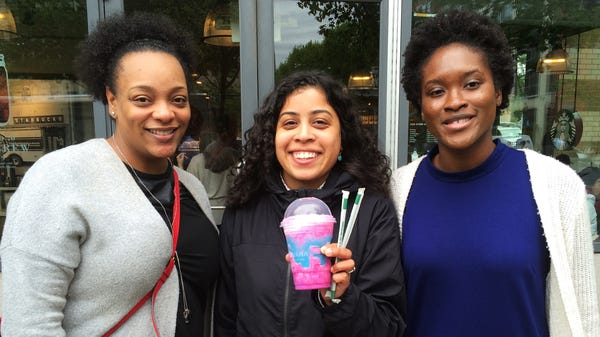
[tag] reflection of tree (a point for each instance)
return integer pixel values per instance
(47, 36)
(350, 43)
(218, 67)
(537, 24)
(530, 25)
(49, 31)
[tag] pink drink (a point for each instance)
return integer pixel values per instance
(305, 234)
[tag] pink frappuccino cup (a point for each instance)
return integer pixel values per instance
(308, 225)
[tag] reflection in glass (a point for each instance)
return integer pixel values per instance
(8, 28)
(221, 26)
(212, 142)
(340, 38)
(4, 93)
(46, 108)
(215, 94)
(49, 109)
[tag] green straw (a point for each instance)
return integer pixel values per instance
(353, 215)
(344, 237)
(345, 195)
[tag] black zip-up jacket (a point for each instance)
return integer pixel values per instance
(256, 295)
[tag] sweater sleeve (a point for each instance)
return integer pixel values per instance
(374, 304)
(582, 268)
(560, 196)
(40, 251)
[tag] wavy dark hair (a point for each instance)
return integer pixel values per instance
(462, 26)
(361, 157)
(118, 35)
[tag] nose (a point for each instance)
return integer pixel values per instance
(304, 132)
(163, 111)
(455, 100)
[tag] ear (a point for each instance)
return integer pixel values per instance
(498, 97)
(110, 98)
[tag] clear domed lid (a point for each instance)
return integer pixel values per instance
(306, 206)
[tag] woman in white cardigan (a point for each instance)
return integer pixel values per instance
(496, 241)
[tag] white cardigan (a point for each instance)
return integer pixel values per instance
(572, 308)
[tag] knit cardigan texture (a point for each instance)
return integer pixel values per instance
(82, 245)
(572, 308)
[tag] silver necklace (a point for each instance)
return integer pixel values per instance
(288, 188)
(186, 309)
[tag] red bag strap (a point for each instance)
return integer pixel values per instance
(166, 272)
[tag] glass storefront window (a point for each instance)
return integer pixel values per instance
(338, 37)
(42, 105)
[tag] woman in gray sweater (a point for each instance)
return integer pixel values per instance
(91, 228)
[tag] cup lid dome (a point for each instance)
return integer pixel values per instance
(306, 206)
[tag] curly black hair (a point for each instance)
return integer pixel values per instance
(361, 157)
(458, 26)
(118, 35)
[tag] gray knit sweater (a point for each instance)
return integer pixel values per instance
(82, 245)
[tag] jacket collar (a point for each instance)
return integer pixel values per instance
(337, 181)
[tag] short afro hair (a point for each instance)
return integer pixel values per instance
(118, 35)
(458, 26)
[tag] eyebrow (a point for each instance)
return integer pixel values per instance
(150, 88)
(313, 112)
(466, 74)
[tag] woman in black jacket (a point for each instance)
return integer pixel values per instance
(307, 141)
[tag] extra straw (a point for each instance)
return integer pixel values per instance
(345, 195)
(344, 237)
(353, 214)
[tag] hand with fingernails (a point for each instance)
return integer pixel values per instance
(340, 271)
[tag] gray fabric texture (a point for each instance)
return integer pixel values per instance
(82, 245)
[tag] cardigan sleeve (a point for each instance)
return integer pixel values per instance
(560, 196)
(582, 268)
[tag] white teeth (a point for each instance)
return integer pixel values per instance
(162, 132)
(304, 155)
(462, 120)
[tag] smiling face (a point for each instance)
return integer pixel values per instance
(458, 104)
(307, 138)
(151, 108)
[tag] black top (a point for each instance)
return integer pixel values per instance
(197, 248)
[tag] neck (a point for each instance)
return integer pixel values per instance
(461, 160)
(157, 166)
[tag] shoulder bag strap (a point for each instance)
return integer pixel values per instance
(166, 272)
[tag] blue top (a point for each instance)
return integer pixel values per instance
(474, 254)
